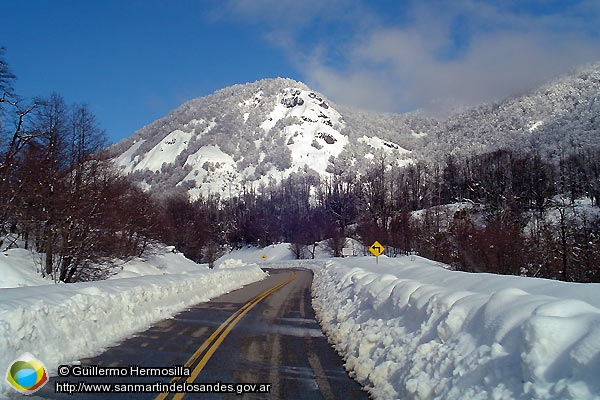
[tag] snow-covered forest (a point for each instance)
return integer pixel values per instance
(511, 187)
(502, 212)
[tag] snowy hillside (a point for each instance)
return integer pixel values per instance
(558, 118)
(246, 135)
(243, 136)
(238, 137)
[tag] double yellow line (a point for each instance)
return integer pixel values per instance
(218, 336)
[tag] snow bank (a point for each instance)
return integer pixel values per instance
(18, 269)
(61, 323)
(263, 256)
(410, 329)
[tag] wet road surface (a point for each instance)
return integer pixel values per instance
(262, 339)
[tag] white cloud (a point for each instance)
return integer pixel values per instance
(506, 54)
(355, 88)
(423, 61)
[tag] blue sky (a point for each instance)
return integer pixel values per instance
(134, 61)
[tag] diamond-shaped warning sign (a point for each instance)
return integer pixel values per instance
(376, 249)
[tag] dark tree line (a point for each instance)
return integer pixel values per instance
(203, 229)
(502, 212)
(58, 197)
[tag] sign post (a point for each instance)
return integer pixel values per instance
(377, 249)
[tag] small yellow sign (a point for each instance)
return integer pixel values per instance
(264, 256)
(376, 249)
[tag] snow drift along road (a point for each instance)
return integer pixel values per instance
(414, 330)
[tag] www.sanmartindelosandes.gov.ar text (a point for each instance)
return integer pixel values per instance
(134, 371)
(160, 387)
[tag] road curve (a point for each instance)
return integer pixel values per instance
(264, 333)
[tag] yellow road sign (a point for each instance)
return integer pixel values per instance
(376, 249)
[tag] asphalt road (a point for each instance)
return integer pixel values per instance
(262, 340)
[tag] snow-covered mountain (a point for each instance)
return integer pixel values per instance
(241, 137)
(247, 135)
(560, 117)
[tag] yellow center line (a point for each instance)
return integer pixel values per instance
(219, 335)
(198, 352)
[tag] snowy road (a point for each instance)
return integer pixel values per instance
(276, 343)
(407, 327)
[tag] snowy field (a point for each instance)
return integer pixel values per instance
(407, 328)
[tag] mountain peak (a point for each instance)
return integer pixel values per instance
(243, 134)
(248, 135)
